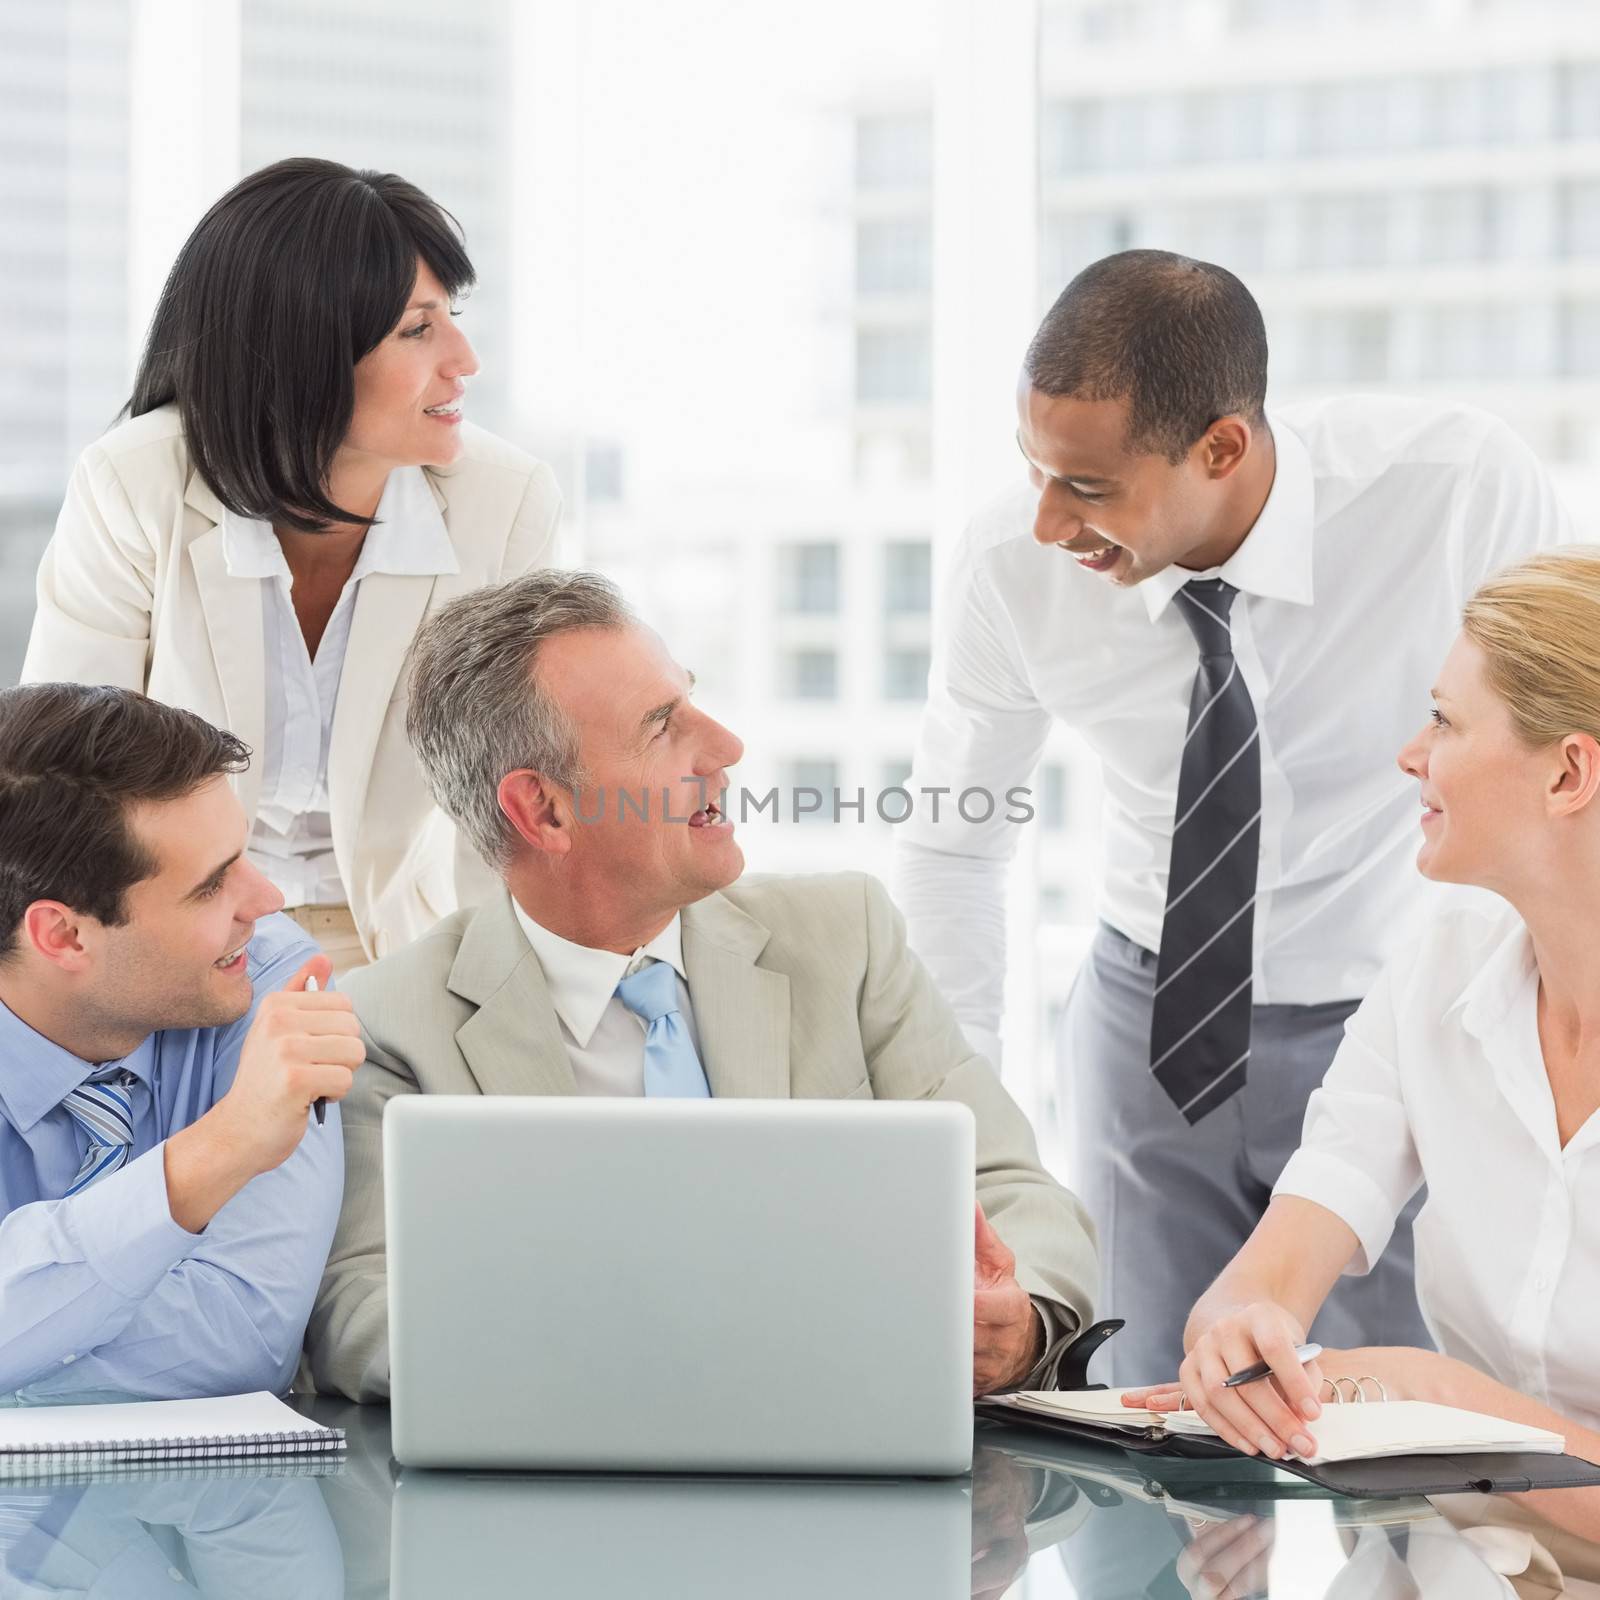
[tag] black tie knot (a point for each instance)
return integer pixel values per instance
(1205, 604)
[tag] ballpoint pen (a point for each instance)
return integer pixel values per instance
(319, 1105)
(1262, 1369)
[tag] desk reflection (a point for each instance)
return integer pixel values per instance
(1038, 1518)
(475, 1536)
(249, 1538)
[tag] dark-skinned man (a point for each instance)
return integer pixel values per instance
(1240, 612)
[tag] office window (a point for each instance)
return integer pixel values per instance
(1472, 341)
(1581, 341)
(811, 674)
(1070, 240)
(1580, 100)
(1234, 234)
(1580, 218)
(818, 773)
(905, 674)
(1345, 231)
(1346, 346)
(894, 150)
(897, 773)
(1224, 125)
(1470, 107)
(908, 578)
(1093, 136)
(894, 255)
(602, 473)
(1345, 118)
(894, 366)
(808, 578)
(1456, 224)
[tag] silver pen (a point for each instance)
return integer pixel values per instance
(1262, 1369)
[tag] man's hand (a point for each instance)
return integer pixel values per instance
(1002, 1492)
(301, 1047)
(1007, 1335)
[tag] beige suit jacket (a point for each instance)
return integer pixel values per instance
(133, 591)
(802, 987)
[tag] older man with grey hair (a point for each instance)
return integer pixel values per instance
(626, 955)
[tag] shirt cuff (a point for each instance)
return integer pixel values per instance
(123, 1226)
(1042, 1374)
(1349, 1193)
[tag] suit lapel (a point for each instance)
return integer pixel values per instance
(512, 1043)
(232, 611)
(741, 1010)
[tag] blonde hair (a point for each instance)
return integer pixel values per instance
(1538, 626)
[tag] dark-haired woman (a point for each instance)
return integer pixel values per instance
(294, 490)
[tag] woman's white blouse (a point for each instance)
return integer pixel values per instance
(1440, 1081)
(292, 837)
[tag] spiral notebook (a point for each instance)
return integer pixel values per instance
(40, 1441)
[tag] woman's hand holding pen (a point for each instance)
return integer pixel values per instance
(1264, 1418)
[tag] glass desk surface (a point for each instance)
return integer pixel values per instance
(1039, 1519)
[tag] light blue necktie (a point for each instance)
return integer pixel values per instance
(102, 1105)
(671, 1068)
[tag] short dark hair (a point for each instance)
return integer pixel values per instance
(285, 284)
(1182, 341)
(72, 760)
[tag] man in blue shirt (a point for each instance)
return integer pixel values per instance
(166, 1204)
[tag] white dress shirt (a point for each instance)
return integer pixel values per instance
(292, 839)
(1441, 1080)
(604, 1039)
(1384, 515)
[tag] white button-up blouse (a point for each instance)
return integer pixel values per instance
(1441, 1081)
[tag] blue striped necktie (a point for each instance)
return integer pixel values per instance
(1200, 1021)
(102, 1105)
(671, 1067)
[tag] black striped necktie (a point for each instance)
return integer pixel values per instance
(1200, 1025)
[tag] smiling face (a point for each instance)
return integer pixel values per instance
(641, 736)
(1120, 515)
(178, 958)
(1486, 793)
(409, 388)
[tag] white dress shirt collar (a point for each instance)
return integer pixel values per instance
(409, 539)
(1274, 561)
(1495, 988)
(583, 980)
(1499, 1007)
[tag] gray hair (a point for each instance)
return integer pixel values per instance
(477, 708)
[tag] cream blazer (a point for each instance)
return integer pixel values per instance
(133, 591)
(802, 987)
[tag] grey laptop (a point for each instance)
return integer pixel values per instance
(680, 1285)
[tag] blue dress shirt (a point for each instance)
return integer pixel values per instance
(103, 1294)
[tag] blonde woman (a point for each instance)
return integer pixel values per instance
(294, 491)
(1473, 1067)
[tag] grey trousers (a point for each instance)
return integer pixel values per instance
(1173, 1202)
